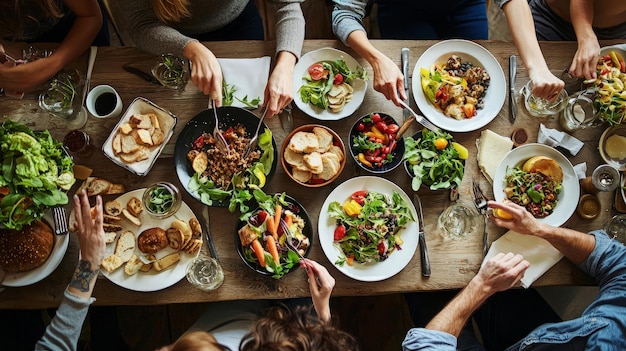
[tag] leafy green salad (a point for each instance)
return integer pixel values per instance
(320, 78)
(35, 174)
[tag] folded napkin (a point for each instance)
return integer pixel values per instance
(537, 251)
(553, 137)
(249, 76)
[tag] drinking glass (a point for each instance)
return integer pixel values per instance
(540, 107)
(171, 71)
(616, 228)
(459, 221)
(205, 273)
(63, 99)
(579, 112)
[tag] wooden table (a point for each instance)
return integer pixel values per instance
(453, 263)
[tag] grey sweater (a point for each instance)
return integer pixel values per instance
(152, 35)
(64, 330)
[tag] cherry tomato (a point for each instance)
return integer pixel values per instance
(315, 180)
(382, 126)
(199, 142)
(376, 118)
(392, 128)
(360, 127)
(317, 71)
(360, 193)
(381, 247)
(338, 79)
(340, 232)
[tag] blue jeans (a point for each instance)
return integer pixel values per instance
(248, 26)
(442, 19)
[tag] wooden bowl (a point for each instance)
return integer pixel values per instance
(295, 160)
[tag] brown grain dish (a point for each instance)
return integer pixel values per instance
(25, 249)
(152, 240)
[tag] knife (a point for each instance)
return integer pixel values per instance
(512, 74)
(405, 71)
(141, 74)
(207, 233)
(93, 51)
(421, 237)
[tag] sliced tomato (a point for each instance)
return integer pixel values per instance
(317, 71)
(392, 128)
(338, 79)
(199, 142)
(340, 232)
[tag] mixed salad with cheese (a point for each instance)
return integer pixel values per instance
(368, 226)
(537, 192)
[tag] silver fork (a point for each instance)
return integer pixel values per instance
(254, 141)
(286, 121)
(419, 118)
(220, 140)
(60, 221)
(480, 201)
(289, 238)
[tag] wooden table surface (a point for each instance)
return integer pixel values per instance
(453, 263)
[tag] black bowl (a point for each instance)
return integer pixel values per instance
(307, 231)
(203, 122)
(398, 153)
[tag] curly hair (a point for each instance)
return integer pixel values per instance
(281, 329)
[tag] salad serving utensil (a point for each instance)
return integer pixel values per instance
(221, 141)
(421, 237)
(480, 201)
(414, 116)
(254, 141)
(286, 120)
(289, 237)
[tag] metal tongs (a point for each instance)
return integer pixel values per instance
(254, 141)
(481, 203)
(221, 142)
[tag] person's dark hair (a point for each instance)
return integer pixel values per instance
(11, 13)
(281, 329)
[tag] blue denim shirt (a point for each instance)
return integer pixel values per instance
(603, 323)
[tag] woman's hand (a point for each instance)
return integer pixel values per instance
(279, 88)
(388, 79)
(26, 77)
(90, 231)
(206, 72)
(586, 59)
(545, 84)
(321, 284)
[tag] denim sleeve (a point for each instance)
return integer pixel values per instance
(348, 17)
(607, 261)
(426, 339)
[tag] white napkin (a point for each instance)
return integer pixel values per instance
(553, 137)
(249, 76)
(537, 251)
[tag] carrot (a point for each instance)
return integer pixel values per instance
(277, 214)
(272, 227)
(258, 251)
(288, 220)
(271, 247)
(350, 260)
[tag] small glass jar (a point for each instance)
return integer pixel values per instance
(171, 71)
(76, 141)
(588, 206)
(605, 178)
(162, 199)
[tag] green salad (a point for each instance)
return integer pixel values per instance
(435, 160)
(35, 174)
(320, 79)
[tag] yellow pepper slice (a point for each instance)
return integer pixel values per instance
(364, 161)
(352, 208)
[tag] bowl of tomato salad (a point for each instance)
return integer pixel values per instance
(373, 143)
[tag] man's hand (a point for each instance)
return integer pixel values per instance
(545, 84)
(522, 222)
(586, 59)
(501, 272)
(321, 284)
(90, 231)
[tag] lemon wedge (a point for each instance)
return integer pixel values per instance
(462, 150)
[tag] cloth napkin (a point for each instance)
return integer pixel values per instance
(537, 251)
(553, 137)
(249, 76)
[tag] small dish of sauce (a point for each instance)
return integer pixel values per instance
(588, 206)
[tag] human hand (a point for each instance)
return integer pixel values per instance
(388, 79)
(585, 59)
(206, 72)
(522, 222)
(321, 284)
(545, 84)
(90, 231)
(501, 272)
(24, 77)
(279, 88)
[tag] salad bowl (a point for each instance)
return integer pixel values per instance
(468, 51)
(567, 198)
(359, 86)
(364, 150)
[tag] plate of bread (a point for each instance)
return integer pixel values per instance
(145, 253)
(31, 254)
(540, 158)
(139, 137)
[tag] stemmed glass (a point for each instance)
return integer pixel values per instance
(204, 271)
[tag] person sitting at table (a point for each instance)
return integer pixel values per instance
(178, 26)
(601, 325)
(347, 17)
(242, 325)
(76, 24)
(584, 21)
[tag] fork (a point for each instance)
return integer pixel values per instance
(480, 201)
(254, 141)
(217, 135)
(60, 221)
(286, 121)
(419, 118)
(289, 238)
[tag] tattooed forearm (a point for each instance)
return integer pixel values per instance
(83, 275)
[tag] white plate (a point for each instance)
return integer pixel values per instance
(479, 56)
(568, 198)
(151, 280)
(373, 271)
(56, 256)
(167, 122)
(327, 54)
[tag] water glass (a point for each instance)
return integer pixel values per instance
(205, 273)
(616, 228)
(63, 97)
(171, 71)
(459, 221)
(540, 107)
(580, 112)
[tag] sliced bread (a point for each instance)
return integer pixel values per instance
(111, 263)
(313, 161)
(331, 166)
(125, 246)
(133, 265)
(325, 139)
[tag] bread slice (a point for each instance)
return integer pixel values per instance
(140, 121)
(492, 148)
(303, 142)
(113, 208)
(301, 176)
(133, 265)
(134, 220)
(126, 128)
(185, 230)
(135, 206)
(116, 145)
(313, 161)
(111, 263)
(175, 238)
(166, 261)
(337, 151)
(192, 247)
(196, 228)
(144, 136)
(109, 237)
(111, 219)
(148, 266)
(111, 228)
(324, 138)
(125, 246)
(331, 166)
(154, 120)
(116, 189)
(546, 166)
(295, 159)
(158, 136)
(136, 156)
(129, 144)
